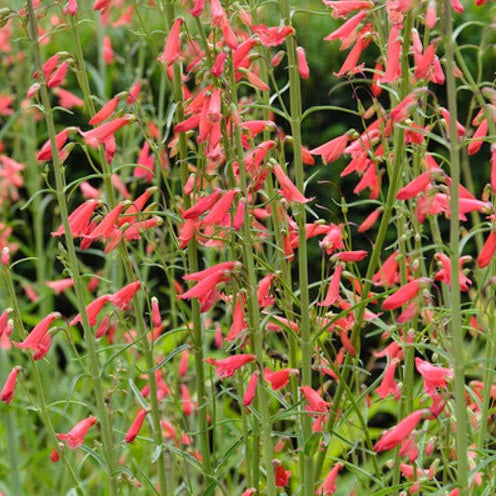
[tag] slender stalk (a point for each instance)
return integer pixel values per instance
(104, 416)
(300, 216)
(198, 338)
(42, 406)
(455, 300)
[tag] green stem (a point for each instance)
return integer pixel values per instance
(300, 216)
(455, 300)
(94, 367)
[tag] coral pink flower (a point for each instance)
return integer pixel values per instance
(251, 389)
(75, 437)
(105, 229)
(282, 475)
(424, 62)
(79, 219)
(239, 323)
(183, 364)
(332, 150)
(347, 28)
(351, 256)
(413, 188)
(333, 240)
(186, 400)
(227, 366)
(342, 8)
(58, 76)
(445, 273)
(99, 135)
(105, 112)
(488, 251)
(390, 439)
(220, 210)
(433, 376)
(370, 220)
(61, 285)
(289, 190)
(122, 298)
(198, 6)
(92, 310)
(38, 333)
(67, 99)
(405, 294)
(315, 402)
(280, 378)
(173, 44)
(45, 152)
(303, 68)
(136, 426)
(328, 487)
(363, 41)
(333, 291)
(8, 390)
(218, 66)
(478, 138)
(389, 385)
(272, 36)
(202, 205)
(393, 67)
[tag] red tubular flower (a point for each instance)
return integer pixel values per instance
(328, 487)
(220, 210)
(282, 475)
(478, 138)
(105, 112)
(105, 229)
(227, 366)
(92, 310)
(424, 62)
(413, 188)
(251, 389)
(239, 323)
(272, 36)
(390, 439)
(370, 220)
(205, 287)
(332, 150)
(122, 298)
(8, 390)
(58, 76)
(202, 205)
(433, 376)
(61, 285)
(347, 28)
(173, 44)
(75, 437)
(38, 333)
(303, 68)
(333, 291)
(342, 8)
(45, 152)
(289, 190)
(404, 295)
(218, 66)
(315, 402)
(79, 219)
(49, 66)
(487, 252)
(102, 133)
(136, 426)
(351, 256)
(67, 99)
(393, 67)
(280, 378)
(389, 385)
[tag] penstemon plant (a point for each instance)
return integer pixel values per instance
(187, 307)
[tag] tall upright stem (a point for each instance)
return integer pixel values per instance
(455, 301)
(300, 215)
(94, 367)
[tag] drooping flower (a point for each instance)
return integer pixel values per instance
(251, 389)
(391, 438)
(315, 401)
(488, 251)
(227, 366)
(173, 44)
(434, 377)
(404, 295)
(133, 431)
(328, 487)
(36, 336)
(122, 298)
(75, 437)
(333, 291)
(8, 390)
(333, 149)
